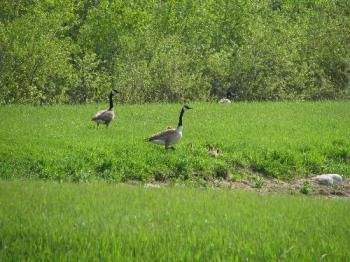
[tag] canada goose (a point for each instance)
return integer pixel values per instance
(106, 116)
(170, 136)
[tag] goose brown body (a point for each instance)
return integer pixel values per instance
(105, 116)
(167, 137)
(170, 136)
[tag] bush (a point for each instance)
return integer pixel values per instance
(174, 51)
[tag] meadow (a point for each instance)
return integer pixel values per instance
(50, 221)
(284, 140)
(61, 198)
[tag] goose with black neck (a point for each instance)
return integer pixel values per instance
(106, 116)
(171, 136)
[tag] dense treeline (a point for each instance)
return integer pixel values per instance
(170, 50)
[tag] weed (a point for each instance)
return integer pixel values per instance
(306, 187)
(221, 171)
(160, 176)
(258, 182)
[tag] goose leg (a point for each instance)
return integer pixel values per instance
(169, 147)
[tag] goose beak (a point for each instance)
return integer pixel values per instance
(116, 91)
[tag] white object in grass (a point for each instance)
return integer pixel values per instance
(328, 179)
(225, 101)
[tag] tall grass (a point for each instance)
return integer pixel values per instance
(283, 140)
(99, 221)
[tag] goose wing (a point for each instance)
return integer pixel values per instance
(164, 135)
(103, 115)
(98, 114)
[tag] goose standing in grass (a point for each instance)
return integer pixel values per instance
(170, 136)
(106, 116)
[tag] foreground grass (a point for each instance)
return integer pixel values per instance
(282, 140)
(51, 221)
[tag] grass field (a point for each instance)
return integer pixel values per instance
(283, 140)
(47, 220)
(41, 221)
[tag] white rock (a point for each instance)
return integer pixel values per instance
(152, 185)
(337, 179)
(324, 180)
(328, 179)
(225, 101)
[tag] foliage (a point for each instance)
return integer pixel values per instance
(305, 188)
(283, 140)
(258, 181)
(75, 51)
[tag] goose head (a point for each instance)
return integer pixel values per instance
(186, 107)
(114, 92)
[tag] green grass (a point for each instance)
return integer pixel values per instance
(45, 221)
(283, 140)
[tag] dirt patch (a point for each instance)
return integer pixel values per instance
(305, 186)
(342, 190)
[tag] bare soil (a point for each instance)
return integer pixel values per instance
(305, 186)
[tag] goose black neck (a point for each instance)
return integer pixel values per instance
(180, 118)
(110, 101)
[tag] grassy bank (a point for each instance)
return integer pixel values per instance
(98, 221)
(283, 140)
